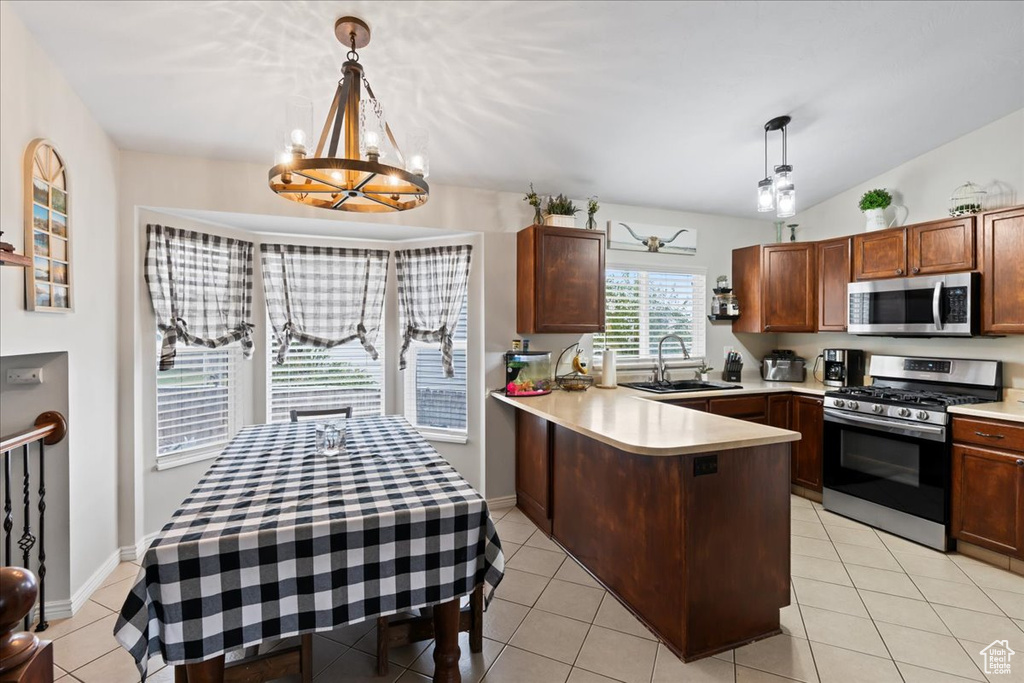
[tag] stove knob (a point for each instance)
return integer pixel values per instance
(922, 415)
(877, 408)
(904, 412)
(838, 402)
(853, 404)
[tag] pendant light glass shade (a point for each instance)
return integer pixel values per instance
(786, 200)
(766, 195)
(372, 134)
(783, 178)
(298, 125)
(417, 160)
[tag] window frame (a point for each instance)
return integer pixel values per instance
(700, 318)
(269, 358)
(235, 413)
(460, 342)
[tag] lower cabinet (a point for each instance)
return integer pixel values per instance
(533, 468)
(700, 404)
(808, 418)
(988, 485)
(780, 406)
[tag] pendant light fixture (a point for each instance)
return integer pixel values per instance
(777, 192)
(346, 170)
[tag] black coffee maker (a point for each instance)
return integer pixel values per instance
(843, 367)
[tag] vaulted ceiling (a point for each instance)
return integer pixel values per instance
(647, 103)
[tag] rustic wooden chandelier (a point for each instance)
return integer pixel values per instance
(346, 171)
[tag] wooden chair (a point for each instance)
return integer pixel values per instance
(300, 415)
(397, 631)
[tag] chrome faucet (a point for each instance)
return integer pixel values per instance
(659, 372)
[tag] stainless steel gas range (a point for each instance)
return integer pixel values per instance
(887, 446)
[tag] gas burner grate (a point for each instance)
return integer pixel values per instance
(917, 398)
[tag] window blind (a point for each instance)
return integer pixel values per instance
(642, 306)
(317, 379)
(197, 400)
(431, 399)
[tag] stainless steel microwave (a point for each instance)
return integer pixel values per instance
(937, 306)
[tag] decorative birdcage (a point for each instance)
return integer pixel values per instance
(966, 199)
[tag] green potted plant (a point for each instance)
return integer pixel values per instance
(560, 212)
(702, 372)
(874, 203)
(592, 207)
(533, 199)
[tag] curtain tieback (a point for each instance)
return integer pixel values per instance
(177, 328)
(285, 342)
(246, 339)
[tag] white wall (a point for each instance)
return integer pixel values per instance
(38, 102)
(993, 157)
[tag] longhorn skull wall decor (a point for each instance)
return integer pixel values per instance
(654, 239)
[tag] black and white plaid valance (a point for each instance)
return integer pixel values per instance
(432, 285)
(201, 289)
(324, 296)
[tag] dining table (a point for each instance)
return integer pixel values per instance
(277, 540)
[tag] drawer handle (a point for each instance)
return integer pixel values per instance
(899, 271)
(990, 436)
(1020, 463)
(916, 269)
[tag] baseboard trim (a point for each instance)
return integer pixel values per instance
(65, 609)
(134, 553)
(501, 501)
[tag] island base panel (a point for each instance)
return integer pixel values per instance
(701, 559)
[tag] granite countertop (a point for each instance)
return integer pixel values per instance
(642, 423)
(1009, 409)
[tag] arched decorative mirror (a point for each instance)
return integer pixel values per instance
(47, 229)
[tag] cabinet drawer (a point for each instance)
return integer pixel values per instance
(743, 407)
(692, 403)
(989, 433)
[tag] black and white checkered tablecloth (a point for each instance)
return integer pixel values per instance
(275, 541)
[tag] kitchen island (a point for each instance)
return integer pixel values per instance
(683, 515)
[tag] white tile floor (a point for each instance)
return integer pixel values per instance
(867, 607)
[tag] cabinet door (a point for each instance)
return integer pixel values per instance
(750, 408)
(700, 404)
(570, 281)
(1001, 259)
(809, 420)
(880, 254)
(941, 246)
(788, 290)
(533, 468)
(779, 407)
(988, 488)
(833, 276)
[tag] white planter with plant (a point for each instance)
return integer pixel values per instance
(874, 203)
(560, 212)
(702, 372)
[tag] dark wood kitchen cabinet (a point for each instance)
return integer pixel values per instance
(1001, 262)
(559, 280)
(751, 408)
(700, 404)
(533, 468)
(988, 484)
(881, 254)
(779, 408)
(945, 246)
(776, 286)
(833, 276)
(808, 418)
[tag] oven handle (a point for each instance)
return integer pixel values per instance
(937, 305)
(930, 432)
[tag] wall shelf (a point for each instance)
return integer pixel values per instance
(9, 258)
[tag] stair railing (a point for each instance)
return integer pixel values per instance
(50, 428)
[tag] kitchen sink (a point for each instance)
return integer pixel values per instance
(679, 386)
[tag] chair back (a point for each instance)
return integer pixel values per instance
(303, 415)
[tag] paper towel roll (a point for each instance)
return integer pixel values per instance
(608, 378)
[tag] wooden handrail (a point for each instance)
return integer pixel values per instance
(50, 426)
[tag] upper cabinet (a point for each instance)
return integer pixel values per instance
(945, 246)
(880, 254)
(1001, 262)
(560, 280)
(777, 287)
(833, 276)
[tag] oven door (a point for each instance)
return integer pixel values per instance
(897, 465)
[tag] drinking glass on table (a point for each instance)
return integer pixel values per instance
(330, 437)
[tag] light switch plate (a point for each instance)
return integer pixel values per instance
(25, 376)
